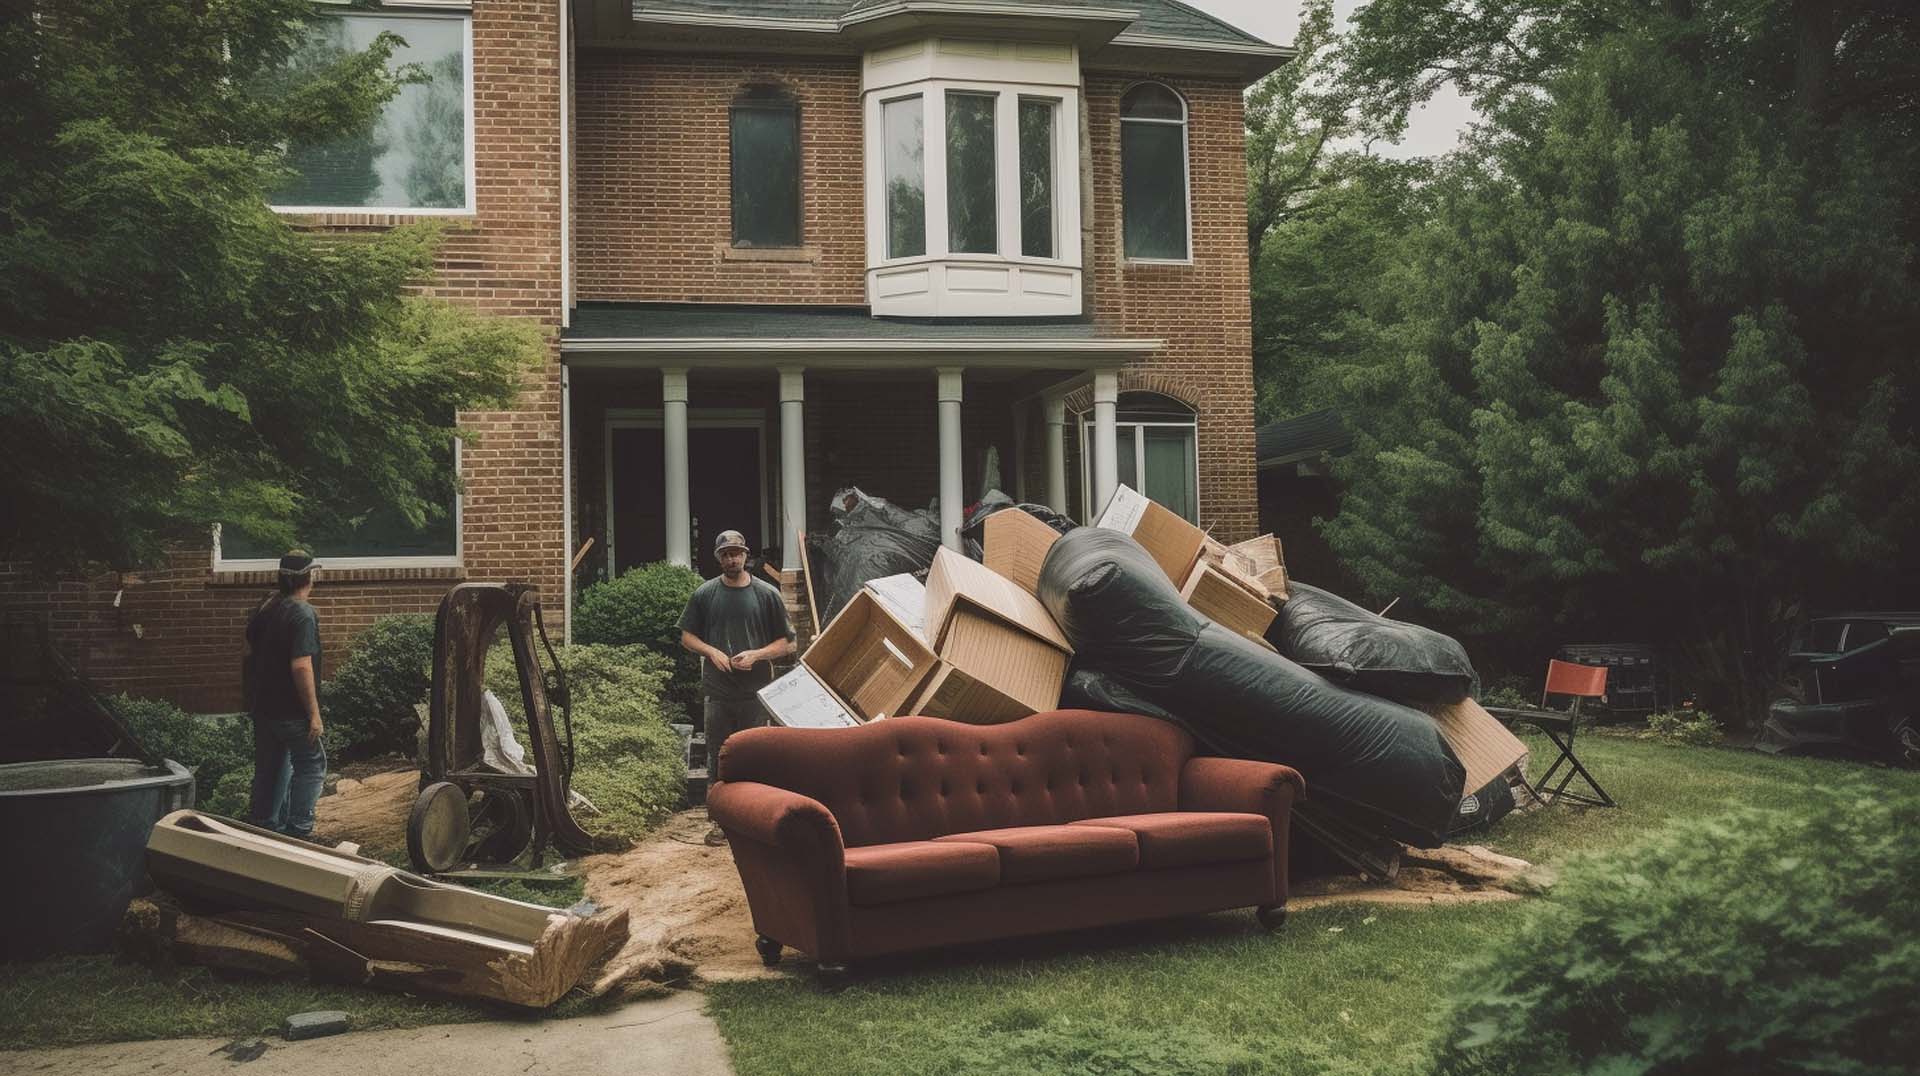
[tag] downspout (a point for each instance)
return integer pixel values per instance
(566, 320)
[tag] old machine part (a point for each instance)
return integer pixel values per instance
(469, 814)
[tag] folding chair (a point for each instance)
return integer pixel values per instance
(1580, 683)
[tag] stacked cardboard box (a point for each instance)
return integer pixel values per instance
(1001, 656)
(1215, 580)
(867, 664)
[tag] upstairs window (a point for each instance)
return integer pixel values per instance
(902, 121)
(1036, 177)
(1153, 173)
(972, 225)
(417, 156)
(765, 151)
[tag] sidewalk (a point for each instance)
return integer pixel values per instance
(667, 1036)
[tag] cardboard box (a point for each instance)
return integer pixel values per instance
(958, 582)
(1173, 543)
(1485, 746)
(1264, 562)
(990, 672)
(905, 597)
(1016, 547)
(799, 700)
(1222, 599)
(870, 660)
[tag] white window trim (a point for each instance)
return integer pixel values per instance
(462, 12)
(434, 560)
(698, 418)
(1139, 458)
(1186, 173)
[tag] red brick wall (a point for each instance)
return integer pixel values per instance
(176, 631)
(655, 219)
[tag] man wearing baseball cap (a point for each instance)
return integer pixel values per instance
(738, 625)
(282, 687)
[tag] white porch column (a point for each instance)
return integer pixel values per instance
(1019, 468)
(673, 397)
(1057, 455)
(793, 464)
(1106, 456)
(952, 499)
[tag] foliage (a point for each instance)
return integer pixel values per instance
(368, 705)
(643, 605)
(1509, 693)
(218, 748)
(1754, 941)
(627, 760)
(1692, 728)
(173, 353)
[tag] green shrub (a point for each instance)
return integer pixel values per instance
(1692, 728)
(643, 606)
(626, 758)
(368, 703)
(218, 748)
(1752, 942)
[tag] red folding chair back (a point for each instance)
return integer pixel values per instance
(1579, 681)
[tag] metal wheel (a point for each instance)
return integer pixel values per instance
(502, 825)
(438, 827)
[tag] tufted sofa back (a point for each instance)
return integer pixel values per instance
(913, 778)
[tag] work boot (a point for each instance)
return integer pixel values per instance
(716, 836)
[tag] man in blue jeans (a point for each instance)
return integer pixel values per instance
(283, 678)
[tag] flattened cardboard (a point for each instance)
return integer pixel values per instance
(1012, 662)
(799, 700)
(1016, 547)
(1485, 746)
(872, 661)
(1267, 564)
(905, 597)
(1173, 543)
(956, 580)
(1220, 598)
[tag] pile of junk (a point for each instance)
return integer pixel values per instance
(1144, 613)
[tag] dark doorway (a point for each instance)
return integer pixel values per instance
(724, 489)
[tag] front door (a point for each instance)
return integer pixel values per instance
(724, 484)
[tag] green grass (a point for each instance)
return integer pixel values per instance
(1345, 989)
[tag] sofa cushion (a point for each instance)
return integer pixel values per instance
(1193, 838)
(911, 870)
(1047, 853)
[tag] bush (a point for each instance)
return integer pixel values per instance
(626, 758)
(1753, 942)
(643, 606)
(368, 703)
(1691, 728)
(218, 748)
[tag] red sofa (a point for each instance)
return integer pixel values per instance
(917, 832)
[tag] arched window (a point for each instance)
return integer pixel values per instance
(764, 124)
(1156, 452)
(1153, 173)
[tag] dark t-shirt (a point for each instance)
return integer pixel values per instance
(734, 619)
(280, 631)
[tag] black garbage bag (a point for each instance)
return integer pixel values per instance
(1382, 763)
(872, 538)
(1361, 649)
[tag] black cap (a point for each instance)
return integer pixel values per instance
(297, 561)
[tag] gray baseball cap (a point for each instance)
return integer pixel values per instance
(730, 540)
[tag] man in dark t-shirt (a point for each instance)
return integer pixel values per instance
(282, 685)
(738, 625)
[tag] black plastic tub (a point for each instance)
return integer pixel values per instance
(73, 841)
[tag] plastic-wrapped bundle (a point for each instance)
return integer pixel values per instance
(1391, 658)
(974, 532)
(873, 538)
(1377, 759)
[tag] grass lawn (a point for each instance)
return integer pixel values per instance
(1342, 989)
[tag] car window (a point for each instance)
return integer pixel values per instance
(1862, 632)
(1825, 636)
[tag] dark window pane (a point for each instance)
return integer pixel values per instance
(1126, 458)
(414, 156)
(1036, 179)
(766, 177)
(906, 191)
(972, 225)
(1169, 468)
(1153, 189)
(371, 530)
(1151, 102)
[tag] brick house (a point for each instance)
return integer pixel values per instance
(761, 286)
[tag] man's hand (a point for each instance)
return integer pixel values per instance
(720, 661)
(744, 660)
(315, 730)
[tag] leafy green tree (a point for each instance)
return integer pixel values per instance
(1647, 368)
(173, 354)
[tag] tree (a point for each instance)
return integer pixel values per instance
(1647, 369)
(173, 354)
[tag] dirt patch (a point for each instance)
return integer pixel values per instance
(1454, 874)
(371, 813)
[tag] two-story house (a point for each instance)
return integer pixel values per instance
(781, 247)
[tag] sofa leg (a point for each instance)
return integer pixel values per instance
(769, 950)
(1271, 916)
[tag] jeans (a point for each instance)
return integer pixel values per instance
(288, 773)
(724, 718)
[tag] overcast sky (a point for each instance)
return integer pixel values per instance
(1435, 128)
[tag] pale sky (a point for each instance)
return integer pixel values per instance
(1432, 129)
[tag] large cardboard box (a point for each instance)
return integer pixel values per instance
(905, 597)
(1173, 543)
(1485, 746)
(1016, 547)
(956, 581)
(1224, 600)
(990, 672)
(867, 660)
(1261, 559)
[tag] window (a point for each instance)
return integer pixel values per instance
(1155, 452)
(972, 226)
(417, 156)
(905, 178)
(1153, 173)
(1036, 178)
(374, 535)
(765, 155)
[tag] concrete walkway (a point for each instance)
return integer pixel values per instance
(667, 1036)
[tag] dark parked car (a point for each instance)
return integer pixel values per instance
(1853, 685)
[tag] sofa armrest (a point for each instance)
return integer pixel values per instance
(792, 863)
(1263, 788)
